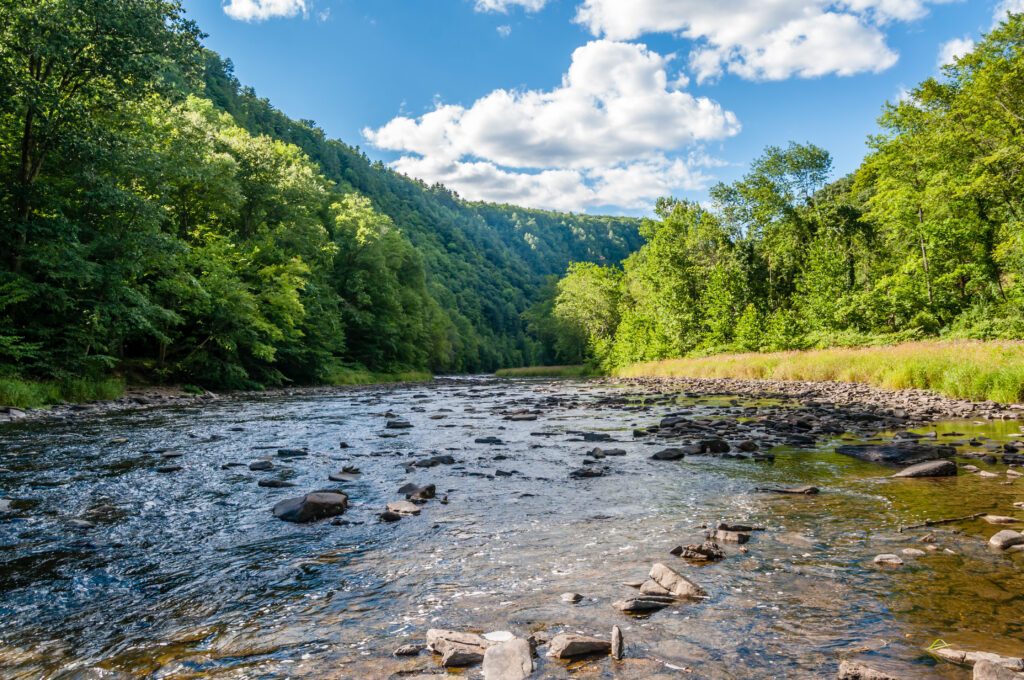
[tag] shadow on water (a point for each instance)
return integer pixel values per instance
(187, 574)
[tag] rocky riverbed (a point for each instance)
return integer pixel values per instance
(515, 528)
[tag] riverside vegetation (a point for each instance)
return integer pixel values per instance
(160, 222)
(924, 240)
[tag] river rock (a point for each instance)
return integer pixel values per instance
(652, 587)
(398, 424)
(586, 473)
(1005, 539)
(731, 536)
(261, 465)
(617, 644)
(571, 598)
(669, 454)
(931, 468)
(674, 582)
(510, 660)
(404, 507)
(568, 645)
(169, 468)
(714, 446)
(850, 669)
(898, 453)
(292, 453)
(419, 493)
(912, 552)
(457, 649)
(987, 670)
(311, 507)
(409, 650)
(888, 559)
(388, 516)
(972, 658)
(274, 483)
(644, 604)
(1001, 519)
(708, 551)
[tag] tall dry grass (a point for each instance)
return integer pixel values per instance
(964, 369)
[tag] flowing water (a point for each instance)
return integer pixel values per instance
(188, 574)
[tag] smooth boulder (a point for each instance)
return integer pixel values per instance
(311, 507)
(1006, 539)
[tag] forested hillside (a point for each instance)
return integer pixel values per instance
(160, 220)
(925, 239)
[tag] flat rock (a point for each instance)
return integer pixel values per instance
(797, 490)
(888, 559)
(274, 483)
(669, 454)
(569, 645)
(1001, 519)
(931, 468)
(645, 604)
(731, 536)
(571, 598)
(510, 660)
(261, 465)
(311, 507)
(397, 424)
(877, 669)
(409, 650)
(972, 658)
(674, 582)
(404, 507)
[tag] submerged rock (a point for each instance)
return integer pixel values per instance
(708, 551)
(311, 507)
(932, 468)
(900, 453)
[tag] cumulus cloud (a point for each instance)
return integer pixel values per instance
(951, 50)
(259, 10)
(610, 134)
(1015, 6)
(504, 5)
(762, 40)
(505, 31)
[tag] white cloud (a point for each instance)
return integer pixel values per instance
(505, 31)
(259, 10)
(951, 50)
(763, 40)
(1015, 6)
(504, 5)
(610, 134)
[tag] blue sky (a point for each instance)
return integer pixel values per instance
(593, 106)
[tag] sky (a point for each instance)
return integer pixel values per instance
(597, 106)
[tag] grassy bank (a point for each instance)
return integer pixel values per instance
(969, 370)
(581, 371)
(23, 393)
(349, 376)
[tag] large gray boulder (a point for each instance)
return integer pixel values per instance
(311, 507)
(1006, 539)
(931, 468)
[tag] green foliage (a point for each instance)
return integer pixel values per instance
(26, 393)
(926, 239)
(156, 214)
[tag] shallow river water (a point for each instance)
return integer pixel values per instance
(189, 575)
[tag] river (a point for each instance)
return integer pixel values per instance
(187, 574)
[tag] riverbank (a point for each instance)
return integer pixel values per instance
(978, 371)
(141, 397)
(574, 371)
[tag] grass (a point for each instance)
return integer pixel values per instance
(581, 371)
(352, 376)
(24, 393)
(967, 370)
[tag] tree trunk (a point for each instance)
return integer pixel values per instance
(924, 256)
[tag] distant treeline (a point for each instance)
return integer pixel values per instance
(925, 239)
(160, 220)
